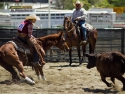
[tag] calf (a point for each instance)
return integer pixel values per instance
(109, 64)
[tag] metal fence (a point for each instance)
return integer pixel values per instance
(109, 39)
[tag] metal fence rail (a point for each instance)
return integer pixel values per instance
(109, 39)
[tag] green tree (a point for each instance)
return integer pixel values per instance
(103, 4)
(120, 3)
(93, 2)
(1, 5)
(68, 4)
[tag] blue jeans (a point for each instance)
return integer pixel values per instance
(22, 39)
(35, 56)
(82, 25)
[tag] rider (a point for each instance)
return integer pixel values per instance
(25, 30)
(80, 15)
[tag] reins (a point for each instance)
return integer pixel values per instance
(72, 27)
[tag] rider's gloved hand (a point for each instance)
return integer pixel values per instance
(77, 19)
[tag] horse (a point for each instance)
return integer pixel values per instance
(11, 57)
(73, 38)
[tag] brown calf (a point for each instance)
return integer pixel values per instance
(109, 64)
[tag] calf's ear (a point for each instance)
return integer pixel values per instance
(87, 55)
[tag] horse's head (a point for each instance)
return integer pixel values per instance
(67, 23)
(61, 44)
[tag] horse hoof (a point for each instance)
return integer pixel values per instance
(80, 64)
(69, 64)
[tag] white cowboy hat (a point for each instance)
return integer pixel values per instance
(32, 16)
(78, 2)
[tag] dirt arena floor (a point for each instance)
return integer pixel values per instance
(61, 79)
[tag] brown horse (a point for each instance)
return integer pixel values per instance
(73, 38)
(10, 57)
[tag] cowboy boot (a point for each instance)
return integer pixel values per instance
(82, 38)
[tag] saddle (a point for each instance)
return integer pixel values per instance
(89, 28)
(28, 49)
(22, 47)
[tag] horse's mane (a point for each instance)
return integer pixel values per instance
(49, 39)
(72, 26)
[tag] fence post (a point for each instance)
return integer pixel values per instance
(122, 40)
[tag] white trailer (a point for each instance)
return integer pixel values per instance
(5, 20)
(101, 19)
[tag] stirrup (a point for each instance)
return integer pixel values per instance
(83, 42)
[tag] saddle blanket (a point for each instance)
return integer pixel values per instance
(20, 48)
(89, 27)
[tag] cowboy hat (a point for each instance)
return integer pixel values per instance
(32, 16)
(78, 2)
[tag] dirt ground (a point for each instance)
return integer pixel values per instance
(61, 79)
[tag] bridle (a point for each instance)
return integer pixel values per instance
(63, 42)
(68, 23)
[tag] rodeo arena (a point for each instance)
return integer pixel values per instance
(110, 26)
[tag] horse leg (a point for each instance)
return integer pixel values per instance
(122, 79)
(70, 56)
(113, 79)
(10, 56)
(19, 65)
(92, 46)
(10, 69)
(37, 72)
(79, 55)
(83, 51)
(41, 72)
(20, 68)
(103, 78)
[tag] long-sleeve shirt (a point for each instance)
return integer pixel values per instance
(30, 30)
(25, 28)
(81, 14)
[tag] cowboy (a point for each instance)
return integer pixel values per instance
(80, 14)
(25, 34)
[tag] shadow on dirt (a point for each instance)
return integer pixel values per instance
(106, 91)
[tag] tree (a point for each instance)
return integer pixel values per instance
(64, 4)
(120, 3)
(97, 3)
(68, 4)
(103, 4)
(1, 5)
